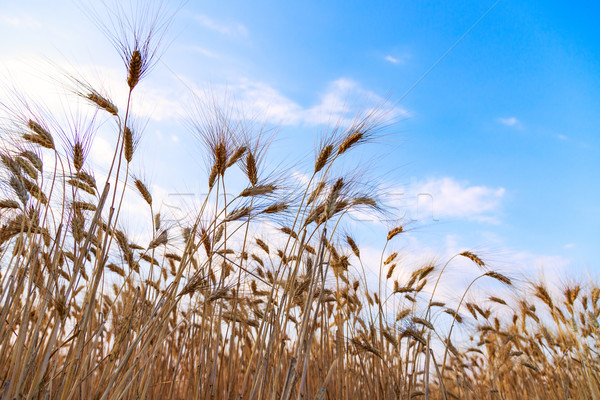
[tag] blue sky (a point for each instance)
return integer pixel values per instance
(504, 131)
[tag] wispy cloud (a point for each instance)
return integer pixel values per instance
(510, 121)
(20, 22)
(205, 52)
(230, 29)
(396, 59)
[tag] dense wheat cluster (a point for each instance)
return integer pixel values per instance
(207, 308)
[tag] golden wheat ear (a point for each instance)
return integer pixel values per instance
(135, 69)
(143, 190)
(102, 102)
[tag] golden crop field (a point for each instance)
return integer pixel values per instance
(214, 307)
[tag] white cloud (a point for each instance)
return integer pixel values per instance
(262, 99)
(533, 266)
(510, 121)
(552, 270)
(102, 152)
(20, 22)
(414, 254)
(520, 266)
(301, 177)
(223, 28)
(448, 198)
(151, 100)
(339, 103)
(343, 99)
(557, 263)
(440, 199)
(160, 103)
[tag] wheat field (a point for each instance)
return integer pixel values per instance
(213, 308)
